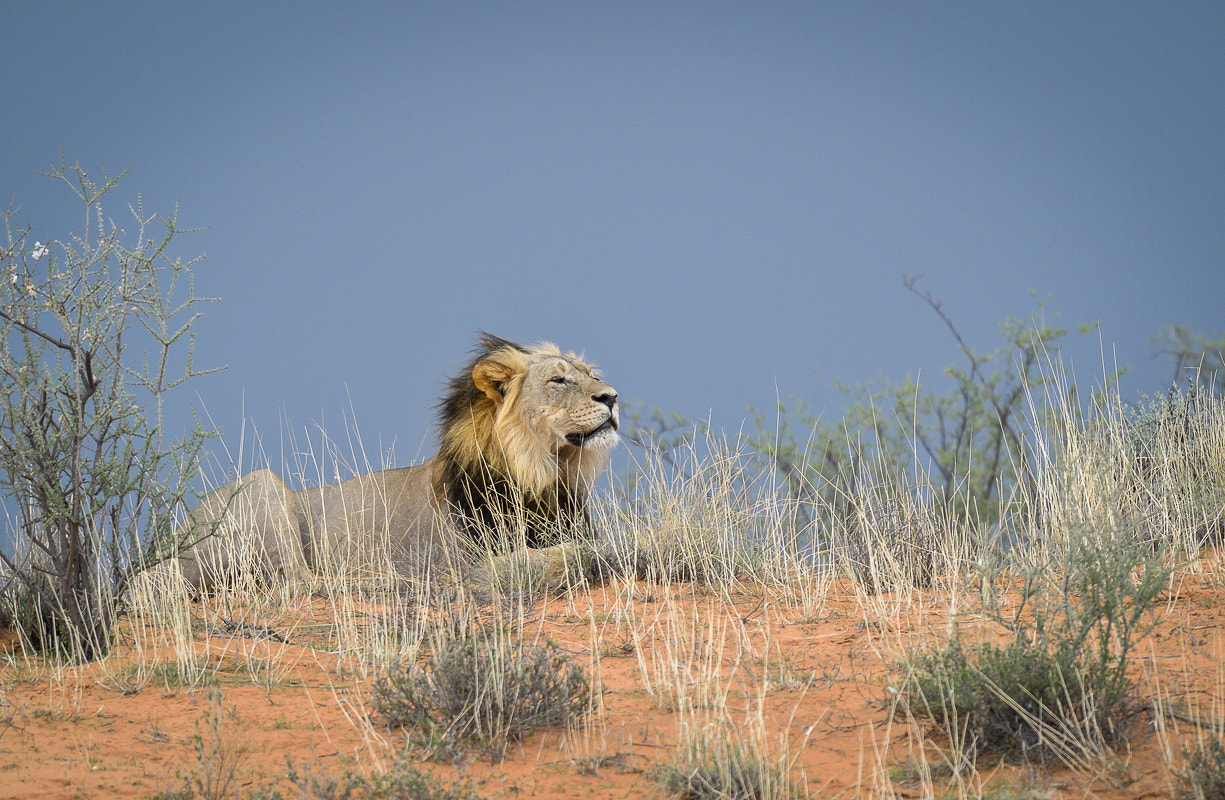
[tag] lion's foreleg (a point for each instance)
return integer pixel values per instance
(547, 569)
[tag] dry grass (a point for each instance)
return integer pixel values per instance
(711, 584)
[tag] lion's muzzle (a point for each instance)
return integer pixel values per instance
(607, 429)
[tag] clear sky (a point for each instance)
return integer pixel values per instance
(714, 202)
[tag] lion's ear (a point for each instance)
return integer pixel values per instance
(490, 377)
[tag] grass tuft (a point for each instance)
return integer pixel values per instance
(721, 766)
(484, 691)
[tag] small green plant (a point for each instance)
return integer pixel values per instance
(403, 781)
(219, 756)
(485, 691)
(1203, 776)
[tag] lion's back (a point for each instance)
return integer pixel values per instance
(371, 520)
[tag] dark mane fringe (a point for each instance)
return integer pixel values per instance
(483, 502)
(461, 395)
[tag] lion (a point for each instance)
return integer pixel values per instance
(524, 434)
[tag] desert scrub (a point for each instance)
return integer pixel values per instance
(1172, 453)
(485, 691)
(403, 781)
(1203, 776)
(1001, 699)
(890, 543)
(95, 332)
(700, 513)
(220, 758)
(1058, 685)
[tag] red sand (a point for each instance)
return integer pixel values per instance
(64, 733)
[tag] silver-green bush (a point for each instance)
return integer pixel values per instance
(95, 331)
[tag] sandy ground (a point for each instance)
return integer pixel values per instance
(821, 674)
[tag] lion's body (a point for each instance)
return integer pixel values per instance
(525, 432)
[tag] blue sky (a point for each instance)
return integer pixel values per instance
(715, 202)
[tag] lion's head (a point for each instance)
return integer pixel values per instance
(525, 433)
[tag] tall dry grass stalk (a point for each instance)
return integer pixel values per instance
(688, 653)
(706, 514)
(1187, 723)
(1156, 468)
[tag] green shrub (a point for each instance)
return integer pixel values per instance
(1059, 685)
(1002, 699)
(1203, 776)
(484, 691)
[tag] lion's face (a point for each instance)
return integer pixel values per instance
(552, 412)
(565, 403)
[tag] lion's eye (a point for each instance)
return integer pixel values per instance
(560, 380)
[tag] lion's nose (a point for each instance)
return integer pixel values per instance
(607, 398)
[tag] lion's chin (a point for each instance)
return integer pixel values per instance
(602, 438)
